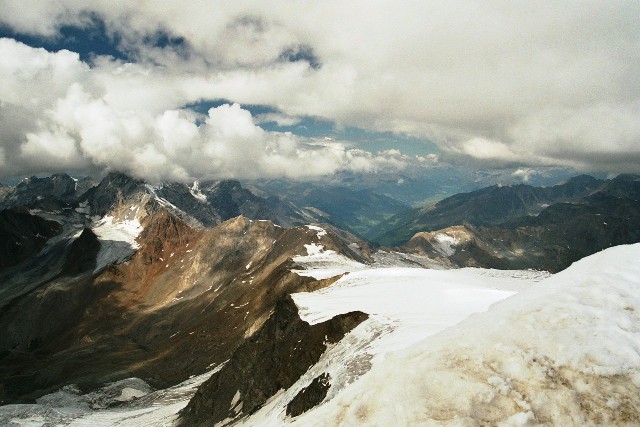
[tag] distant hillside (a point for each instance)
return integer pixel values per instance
(488, 206)
(560, 235)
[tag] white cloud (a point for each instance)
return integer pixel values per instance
(75, 126)
(491, 81)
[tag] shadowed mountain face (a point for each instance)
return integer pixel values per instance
(552, 240)
(23, 235)
(41, 192)
(485, 207)
(231, 200)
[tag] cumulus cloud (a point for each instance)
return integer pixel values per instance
(491, 82)
(75, 126)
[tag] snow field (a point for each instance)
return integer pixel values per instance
(405, 305)
(563, 352)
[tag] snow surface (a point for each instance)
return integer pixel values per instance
(117, 240)
(561, 350)
(405, 305)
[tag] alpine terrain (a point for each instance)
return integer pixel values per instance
(215, 303)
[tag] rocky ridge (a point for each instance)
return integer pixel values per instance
(131, 287)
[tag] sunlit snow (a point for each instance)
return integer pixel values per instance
(565, 351)
(556, 344)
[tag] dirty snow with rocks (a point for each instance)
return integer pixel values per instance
(322, 264)
(130, 402)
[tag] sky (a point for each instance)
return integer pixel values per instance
(170, 90)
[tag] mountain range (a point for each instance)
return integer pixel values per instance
(125, 279)
(106, 280)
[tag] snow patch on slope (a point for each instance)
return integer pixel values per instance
(197, 193)
(117, 240)
(320, 231)
(445, 244)
(321, 264)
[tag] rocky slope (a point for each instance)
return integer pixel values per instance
(133, 285)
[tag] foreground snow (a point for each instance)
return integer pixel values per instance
(405, 305)
(563, 352)
(412, 303)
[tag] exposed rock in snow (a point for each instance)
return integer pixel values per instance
(273, 358)
(310, 396)
(320, 231)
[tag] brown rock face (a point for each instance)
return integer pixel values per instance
(184, 301)
(272, 359)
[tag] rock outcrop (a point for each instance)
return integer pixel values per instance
(274, 358)
(310, 396)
